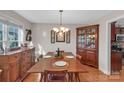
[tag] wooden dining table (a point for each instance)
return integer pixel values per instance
(73, 66)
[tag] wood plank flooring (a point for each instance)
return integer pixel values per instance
(93, 75)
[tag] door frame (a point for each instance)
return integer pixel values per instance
(108, 28)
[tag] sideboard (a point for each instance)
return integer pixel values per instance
(15, 64)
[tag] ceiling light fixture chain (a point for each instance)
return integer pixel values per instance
(60, 17)
(61, 28)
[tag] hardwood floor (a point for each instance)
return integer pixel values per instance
(93, 75)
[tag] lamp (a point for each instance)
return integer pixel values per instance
(61, 28)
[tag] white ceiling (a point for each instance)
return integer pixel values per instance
(69, 16)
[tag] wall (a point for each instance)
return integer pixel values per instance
(13, 17)
(120, 23)
(42, 39)
(41, 36)
(104, 39)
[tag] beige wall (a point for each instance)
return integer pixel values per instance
(104, 39)
(42, 39)
(11, 16)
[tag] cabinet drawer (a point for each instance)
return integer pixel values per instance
(91, 58)
(3, 59)
(24, 68)
(14, 71)
(14, 58)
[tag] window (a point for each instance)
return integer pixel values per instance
(1, 35)
(13, 38)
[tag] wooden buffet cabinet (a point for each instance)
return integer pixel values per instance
(87, 44)
(16, 63)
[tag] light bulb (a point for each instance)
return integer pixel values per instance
(62, 28)
(66, 29)
(55, 29)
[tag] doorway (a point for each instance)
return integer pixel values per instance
(117, 46)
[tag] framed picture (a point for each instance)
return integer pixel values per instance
(52, 36)
(60, 37)
(68, 37)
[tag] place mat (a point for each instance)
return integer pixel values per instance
(69, 56)
(60, 67)
(47, 56)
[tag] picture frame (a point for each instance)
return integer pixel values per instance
(60, 37)
(52, 36)
(68, 36)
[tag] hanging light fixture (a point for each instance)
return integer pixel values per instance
(61, 29)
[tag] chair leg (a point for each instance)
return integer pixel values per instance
(77, 78)
(45, 78)
(69, 77)
(42, 76)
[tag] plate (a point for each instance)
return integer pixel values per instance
(60, 63)
(47, 56)
(69, 56)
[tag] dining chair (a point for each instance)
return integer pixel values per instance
(79, 57)
(1, 74)
(55, 76)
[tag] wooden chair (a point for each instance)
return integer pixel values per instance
(33, 77)
(1, 75)
(55, 76)
(79, 57)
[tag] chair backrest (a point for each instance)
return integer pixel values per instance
(53, 72)
(1, 74)
(79, 57)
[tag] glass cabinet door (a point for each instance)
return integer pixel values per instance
(90, 38)
(81, 39)
(86, 38)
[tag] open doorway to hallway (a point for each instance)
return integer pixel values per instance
(117, 46)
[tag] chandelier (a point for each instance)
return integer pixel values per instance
(61, 29)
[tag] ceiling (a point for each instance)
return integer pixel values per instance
(69, 16)
(120, 22)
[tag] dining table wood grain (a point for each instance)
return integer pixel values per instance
(73, 64)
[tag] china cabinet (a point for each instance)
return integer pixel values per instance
(87, 44)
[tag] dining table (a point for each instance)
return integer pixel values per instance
(73, 66)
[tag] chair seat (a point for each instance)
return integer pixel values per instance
(55, 76)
